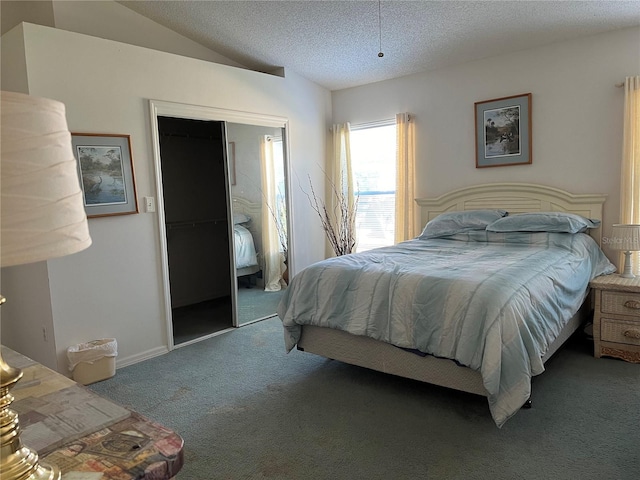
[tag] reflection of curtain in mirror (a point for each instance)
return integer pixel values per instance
(273, 259)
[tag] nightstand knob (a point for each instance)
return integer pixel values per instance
(632, 304)
(632, 333)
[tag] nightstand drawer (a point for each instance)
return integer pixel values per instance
(620, 303)
(620, 331)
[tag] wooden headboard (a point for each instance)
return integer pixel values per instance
(515, 198)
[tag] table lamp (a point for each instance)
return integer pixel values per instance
(627, 239)
(42, 217)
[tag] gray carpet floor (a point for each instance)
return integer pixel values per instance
(247, 410)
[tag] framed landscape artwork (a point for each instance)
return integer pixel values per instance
(106, 174)
(503, 131)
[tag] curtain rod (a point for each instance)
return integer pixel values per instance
(620, 85)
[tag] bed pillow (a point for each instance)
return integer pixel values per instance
(451, 223)
(240, 218)
(543, 222)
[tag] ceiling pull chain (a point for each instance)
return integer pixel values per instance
(380, 54)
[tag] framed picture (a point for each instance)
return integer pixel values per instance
(232, 162)
(106, 174)
(503, 131)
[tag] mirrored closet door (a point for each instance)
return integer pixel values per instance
(259, 211)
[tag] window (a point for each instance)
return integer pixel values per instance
(373, 163)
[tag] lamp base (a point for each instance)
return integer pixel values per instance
(627, 273)
(24, 465)
(17, 461)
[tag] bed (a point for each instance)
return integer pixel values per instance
(322, 311)
(247, 220)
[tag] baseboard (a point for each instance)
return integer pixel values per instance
(140, 357)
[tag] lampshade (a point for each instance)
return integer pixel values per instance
(625, 237)
(42, 210)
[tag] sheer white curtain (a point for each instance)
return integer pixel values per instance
(341, 177)
(630, 182)
(273, 258)
(405, 177)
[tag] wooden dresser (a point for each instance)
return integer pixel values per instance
(616, 322)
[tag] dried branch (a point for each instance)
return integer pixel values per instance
(339, 224)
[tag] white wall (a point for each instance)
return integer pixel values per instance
(15, 12)
(113, 289)
(105, 19)
(113, 21)
(576, 110)
(29, 302)
(14, 76)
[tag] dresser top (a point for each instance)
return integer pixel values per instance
(616, 282)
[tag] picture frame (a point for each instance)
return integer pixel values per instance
(232, 162)
(503, 131)
(105, 169)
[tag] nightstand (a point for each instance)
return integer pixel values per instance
(616, 322)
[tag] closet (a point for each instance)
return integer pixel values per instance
(207, 161)
(195, 200)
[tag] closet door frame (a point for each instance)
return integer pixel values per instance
(160, 108)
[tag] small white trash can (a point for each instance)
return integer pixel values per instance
(93, 361)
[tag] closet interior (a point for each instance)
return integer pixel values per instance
(194, 183)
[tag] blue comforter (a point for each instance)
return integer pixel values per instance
(491, 301)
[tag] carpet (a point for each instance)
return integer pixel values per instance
(247, 410)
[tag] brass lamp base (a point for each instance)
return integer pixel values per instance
(17, 461)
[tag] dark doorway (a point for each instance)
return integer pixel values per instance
(195, 204)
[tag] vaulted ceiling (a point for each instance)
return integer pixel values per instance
(336, 43)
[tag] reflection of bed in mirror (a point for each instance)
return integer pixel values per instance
(247, 228)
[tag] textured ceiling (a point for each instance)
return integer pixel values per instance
(336, 43)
